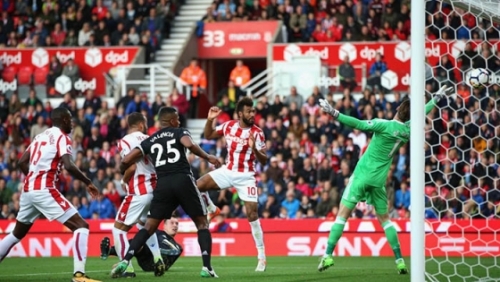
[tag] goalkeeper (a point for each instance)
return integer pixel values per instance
(170, 250)
(367, 181)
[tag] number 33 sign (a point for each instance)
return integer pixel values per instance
(213, 38)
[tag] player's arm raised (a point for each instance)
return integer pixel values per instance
(210, 131)
(363, 125)
(187, 142)
(129, 160)
(440, 94)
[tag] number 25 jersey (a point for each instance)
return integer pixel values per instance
(167, 152)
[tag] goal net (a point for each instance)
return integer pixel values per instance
(462, 145)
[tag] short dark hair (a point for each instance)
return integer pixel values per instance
(166, 111)
(404, 111)
(135, 118)
(245, 101)
(58, 113)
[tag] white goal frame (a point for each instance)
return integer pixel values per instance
(488, 9)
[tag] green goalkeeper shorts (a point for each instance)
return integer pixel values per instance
(359, 190)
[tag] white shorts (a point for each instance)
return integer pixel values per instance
(134, 208)
(244, 182)
(48, 202)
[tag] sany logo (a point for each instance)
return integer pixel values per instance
(8, 86)
(370, 54)
(302, 246)
(11, 59)
(293, 50)
(115, 58)
(83, 85)
(64, 58)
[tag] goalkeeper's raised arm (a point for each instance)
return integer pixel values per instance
(378, 125)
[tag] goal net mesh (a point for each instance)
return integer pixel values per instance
(462, 145)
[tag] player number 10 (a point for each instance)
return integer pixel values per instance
(252, 191)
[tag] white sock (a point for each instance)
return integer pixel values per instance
(6, 244)
(152, 244)
(80, 248)
(121, 245)
(208, 202)
(258, 237)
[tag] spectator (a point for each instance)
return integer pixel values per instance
(294, 97)
(196, 78)
(240, 75)
(402, 197)
(102, 207)
(71, 70)
(376, 71)
(291, 204)
(347, 74)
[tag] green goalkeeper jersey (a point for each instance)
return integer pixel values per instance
(388, 137)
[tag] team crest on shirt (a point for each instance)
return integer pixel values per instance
(69, 149)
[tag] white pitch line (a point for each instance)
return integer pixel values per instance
(48, 273)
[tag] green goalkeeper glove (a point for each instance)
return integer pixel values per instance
(442, 92)
(327, 108)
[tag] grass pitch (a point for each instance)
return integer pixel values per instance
(241, 269)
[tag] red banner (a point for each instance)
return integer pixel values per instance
(397, 55)
(236, 39)
(280, 244)
(93, 63)
(287, 226)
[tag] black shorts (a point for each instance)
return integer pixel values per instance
(174, 190)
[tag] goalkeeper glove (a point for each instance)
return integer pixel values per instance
(442, 92)
(327, 108)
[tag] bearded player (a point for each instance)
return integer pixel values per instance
(140, 182)
(367, 181)
(245, 144)
(42, 163)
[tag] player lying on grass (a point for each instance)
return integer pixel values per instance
(170, 250)
(367, 181)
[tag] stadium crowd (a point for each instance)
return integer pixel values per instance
(311, 156)
(351, 20)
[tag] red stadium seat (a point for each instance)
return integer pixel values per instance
(40, 76)
(24, 76)
(9, 73)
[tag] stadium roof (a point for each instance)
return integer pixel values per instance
(487, 9)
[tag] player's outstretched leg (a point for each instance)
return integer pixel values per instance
(257, 233)
(392, 237)
(335, 234)
(212, 209)
(154, 247)
(139, 240)
(80, 230)
(122, 244)
(20, 230)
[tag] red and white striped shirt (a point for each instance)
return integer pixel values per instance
(239, 154)
(144, 180)
(46, 151)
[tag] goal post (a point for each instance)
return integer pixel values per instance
(455, 219)
(417, 113)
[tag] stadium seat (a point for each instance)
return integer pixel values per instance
(40, 76)
(25, 75)
(9, 73)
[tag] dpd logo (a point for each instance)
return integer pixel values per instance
(8, 86)
(63, 84)
(115, 58)
(64, 58)
(370, 54)
(40, 58)
(389, 79)
(11, 59)
(291, 50)
(457, 48)
(402, 51)
(83, 85)
(349, 50)
(93, 57)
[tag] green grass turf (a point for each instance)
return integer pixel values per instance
(240, 269)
